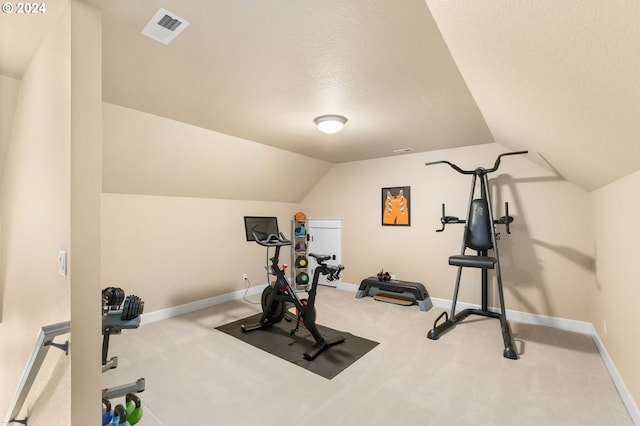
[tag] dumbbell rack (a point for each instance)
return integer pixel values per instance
(119, 313)
(300, 275)
(112, 323)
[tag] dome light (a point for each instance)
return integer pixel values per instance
(330, 123)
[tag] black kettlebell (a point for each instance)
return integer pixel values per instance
(120, 416)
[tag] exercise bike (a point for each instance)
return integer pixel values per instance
(276, 295)
(479, 235)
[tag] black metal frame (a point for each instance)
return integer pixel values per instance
(112, 324)
(279, 293)
(480, 260)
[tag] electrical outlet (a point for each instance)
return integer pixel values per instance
(244, 277)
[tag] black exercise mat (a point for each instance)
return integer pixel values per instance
(277, 341)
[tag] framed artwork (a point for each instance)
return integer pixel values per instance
(396, 206)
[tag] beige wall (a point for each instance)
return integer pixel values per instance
(86, 187)
(617, 288)
(176, 250)
(150, 155)
(50, 202)
(174, 198)
(8, 95)
(547, 260)
(35, 213)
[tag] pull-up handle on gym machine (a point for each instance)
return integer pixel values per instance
(478, 169)
(504, 220)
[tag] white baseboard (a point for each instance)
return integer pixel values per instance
(163, 314)
(518, 316)
(625, 395)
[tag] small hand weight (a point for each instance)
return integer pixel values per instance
(106, 412)
(120, 416)
(134, 408)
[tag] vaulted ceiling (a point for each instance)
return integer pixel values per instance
(560, 78)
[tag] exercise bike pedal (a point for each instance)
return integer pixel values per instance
(295, 330)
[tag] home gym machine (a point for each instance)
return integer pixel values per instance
(479, 235)
(276, 295)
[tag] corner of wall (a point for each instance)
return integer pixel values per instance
(85, 200)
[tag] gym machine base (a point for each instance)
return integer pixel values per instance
(479, 235)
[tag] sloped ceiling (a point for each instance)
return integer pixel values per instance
(556, 77)
(263, 70)
(560, 78)
(149, 155)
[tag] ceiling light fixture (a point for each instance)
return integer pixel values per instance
(330, 123)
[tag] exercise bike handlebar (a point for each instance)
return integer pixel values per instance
(331, 271)
(470, 172)
(271, 240)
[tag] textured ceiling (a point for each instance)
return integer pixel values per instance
(559, 78)
(263, 70)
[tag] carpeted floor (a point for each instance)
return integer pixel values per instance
(197, 375)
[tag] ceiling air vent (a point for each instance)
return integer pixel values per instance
(165, 26)
(402, 150)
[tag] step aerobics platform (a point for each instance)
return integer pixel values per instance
(400, 289)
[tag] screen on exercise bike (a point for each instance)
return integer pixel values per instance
(263, 226)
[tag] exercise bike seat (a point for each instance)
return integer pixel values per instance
(321, 258)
